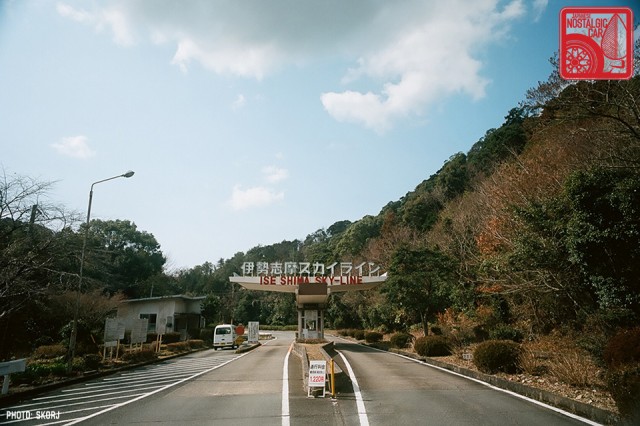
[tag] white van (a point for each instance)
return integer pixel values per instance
(224, 336)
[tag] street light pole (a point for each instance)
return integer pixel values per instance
(74, 328)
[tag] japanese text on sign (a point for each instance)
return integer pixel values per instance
(316, 269)
(317, 373)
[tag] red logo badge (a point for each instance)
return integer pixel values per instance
(596, 43)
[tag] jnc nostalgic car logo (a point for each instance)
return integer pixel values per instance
(596, 43)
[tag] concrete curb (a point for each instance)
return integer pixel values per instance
(301, 352)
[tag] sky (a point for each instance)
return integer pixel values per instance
(252, 122)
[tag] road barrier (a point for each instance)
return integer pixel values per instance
(6, 368)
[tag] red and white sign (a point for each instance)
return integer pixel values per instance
(596, 43)
(317, 374)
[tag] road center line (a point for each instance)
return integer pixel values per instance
(362, 412)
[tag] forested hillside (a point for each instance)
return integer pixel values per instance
(535, 229)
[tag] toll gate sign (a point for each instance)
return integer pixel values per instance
(317, 375)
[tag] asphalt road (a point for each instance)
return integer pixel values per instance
(265, 387)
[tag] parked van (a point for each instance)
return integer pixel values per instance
(224, 336)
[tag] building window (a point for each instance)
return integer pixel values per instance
(151, 327)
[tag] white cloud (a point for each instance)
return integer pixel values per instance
(410, 56)
(257, 196)
(239, 102)
(74, 146)
(275, 174)
(113, 18)
(539, 6)
(432, 59)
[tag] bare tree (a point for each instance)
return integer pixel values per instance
(31, 242)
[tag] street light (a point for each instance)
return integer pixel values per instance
(74, 327)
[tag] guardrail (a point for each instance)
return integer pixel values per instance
(6, 368)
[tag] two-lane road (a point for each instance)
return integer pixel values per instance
(265, 387)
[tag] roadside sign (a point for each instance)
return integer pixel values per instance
(254, 328)
(317, 375)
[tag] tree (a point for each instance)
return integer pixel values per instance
(120, 258)
(355, 238)
(35, 256)
(603, 234)
(419, 283)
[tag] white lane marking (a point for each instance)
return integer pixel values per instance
(362, 412)
(78, 420)
(285, 389)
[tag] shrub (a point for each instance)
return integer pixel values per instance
(529, 363)
(196, 343)
(574, 367)
(49, 351)
(372, 337)
(494, 356)
(139, 355)
(92, 361)
(506, 332)
(437, 330)
(479, 334)
(401, 340)
(343, 332)
(432, 346)
(172, 337)
(623, 348)
(36, 371)
(178, 346)
(206, 335)
(624, 385)
(358, 334)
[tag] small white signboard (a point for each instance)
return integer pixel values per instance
(253, 331)
(317, 375)
(113, 330)
(139, 330)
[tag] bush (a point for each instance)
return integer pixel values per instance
(401, 340)
(574, 367)
(139, 355)
(36, 371)
(493, 356)
(343, 332)
(624, 385)
(437, 330)
(196, 343)
(172, 337)
(506, 332)
(49, 351)
(178, 346)
(358, 334)
(623, 348)
(92, 361)
(432, 346)
(372, 337)
(206, 335)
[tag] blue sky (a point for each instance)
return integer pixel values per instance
(251, 122)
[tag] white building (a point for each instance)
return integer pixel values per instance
(166, 314)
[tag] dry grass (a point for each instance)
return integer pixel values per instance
(574, 367)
